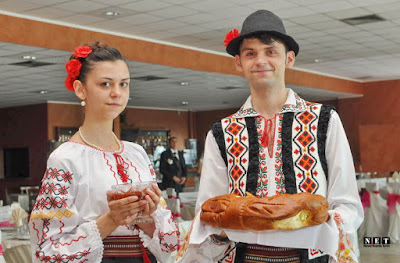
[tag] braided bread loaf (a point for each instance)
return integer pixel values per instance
(284, 211)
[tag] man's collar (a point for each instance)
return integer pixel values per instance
(293, 104)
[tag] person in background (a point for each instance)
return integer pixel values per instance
(276, 143)
(173, 167)
(75, 218)
(200, 164)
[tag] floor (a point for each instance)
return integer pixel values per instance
(377, 255)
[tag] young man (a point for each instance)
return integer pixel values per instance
(276, 143)
(173, 167)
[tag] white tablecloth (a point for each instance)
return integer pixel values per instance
(188, 197)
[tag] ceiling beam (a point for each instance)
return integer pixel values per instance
(41, 34)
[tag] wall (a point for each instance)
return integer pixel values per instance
(63, 115)
(25, 126)
(72, 115)
(378, 109)
(175, 121)
(204, 120)
(380, 147)
(349, 111)
(380, 106)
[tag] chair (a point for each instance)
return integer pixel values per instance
(188, 203)
(32, 192)
(376, 217)
(18, 254)
(394, 212)
(173, 204)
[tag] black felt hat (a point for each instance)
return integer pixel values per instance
(262, 21)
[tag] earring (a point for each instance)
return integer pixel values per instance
(83, 103)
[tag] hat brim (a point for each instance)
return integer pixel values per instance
(233, 47)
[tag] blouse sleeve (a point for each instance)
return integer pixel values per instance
(166, 235)
(345, 206)
(58, 233)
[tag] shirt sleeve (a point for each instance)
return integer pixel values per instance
(213, 182)
(166, 235)
(58, 232)
(344, 203)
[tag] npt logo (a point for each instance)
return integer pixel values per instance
(376, 241)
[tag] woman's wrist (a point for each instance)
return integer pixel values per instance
(106, 224)
(148, 227)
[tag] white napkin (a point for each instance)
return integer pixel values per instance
(324, 236)
(18, 215)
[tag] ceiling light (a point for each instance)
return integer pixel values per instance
(130, 98)
(316, 60)
(29, 57)
(43, 92)
(185, 102)
(184, 83)
(111, 13)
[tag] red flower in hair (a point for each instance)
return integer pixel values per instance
(69, 83)
(230, 36)
(73, 67)
(82, 51)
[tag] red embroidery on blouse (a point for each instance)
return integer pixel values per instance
(50, 202)
(121, 166)
(37, 230)
(134, 167)
(109, 165)
(59, 175)
(165, 246)
(66, 244)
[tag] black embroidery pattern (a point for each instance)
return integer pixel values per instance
(323, 124)
(216, 129)
(287, 159)
(252, 170)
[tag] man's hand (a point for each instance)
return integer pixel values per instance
(182, 180)
(176, 179)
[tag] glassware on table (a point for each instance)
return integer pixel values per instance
(133, 189)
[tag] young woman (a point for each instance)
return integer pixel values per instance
(75, 218)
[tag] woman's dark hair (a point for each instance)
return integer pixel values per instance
(100, 52)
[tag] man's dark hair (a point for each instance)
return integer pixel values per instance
(266, 38)
(170, 139)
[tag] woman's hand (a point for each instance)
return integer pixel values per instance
(125, 210)
(122, 212)
(153, 196)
